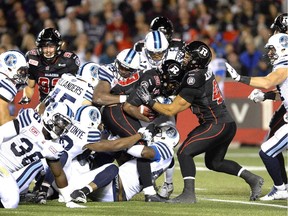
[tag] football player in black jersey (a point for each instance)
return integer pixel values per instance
(47, 63)
(200, 92)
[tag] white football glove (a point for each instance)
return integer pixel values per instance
(148, 132)
(51, 150)
(233, 73)
(256, 95)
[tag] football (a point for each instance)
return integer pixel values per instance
(148, 112)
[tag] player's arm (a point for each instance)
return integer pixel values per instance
(102, 95)
(4, 112)
(28, 92)
(134, 112)
(178, 105)
(114, 145)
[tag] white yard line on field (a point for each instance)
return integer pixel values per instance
(245, 203)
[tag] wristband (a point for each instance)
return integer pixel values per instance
(151, 103)
(122, 98)
(271, 95)
(136, 150)
(245, 79)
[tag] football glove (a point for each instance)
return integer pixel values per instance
(145, 96)
(24, 100)
(148, 132)
(257, 96)
(233, 73)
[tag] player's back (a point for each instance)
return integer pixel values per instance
(72, 91)
(23, 148)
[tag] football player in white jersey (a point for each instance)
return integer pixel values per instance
(126, 184)
(278, 54)
(25, 140)
(13, 78)
(89, 73)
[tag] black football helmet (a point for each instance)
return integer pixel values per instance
(171, 77)
(164, 25)
(49, 36)
(196, 55)
(280, 23)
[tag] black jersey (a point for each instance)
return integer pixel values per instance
(200, 88)
(46, 75)
(151, 80)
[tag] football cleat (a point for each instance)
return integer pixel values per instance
(78, 196)
(275, 194)
(256, 188)
(154, 198)
(185, 197)
(165, 190)
(41, 198)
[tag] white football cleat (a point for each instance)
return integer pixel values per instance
(72, 204)
(275, 194)
(165, 190)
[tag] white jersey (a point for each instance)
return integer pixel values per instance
(218, 67)
(129, 176)
(8, 89)
(72, 91)
(28, 146)
(282, 62)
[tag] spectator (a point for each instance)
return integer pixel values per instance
(110, 51)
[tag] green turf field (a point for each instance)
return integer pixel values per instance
(217, 194)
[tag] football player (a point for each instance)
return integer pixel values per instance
(24, 142)
(13, 77)
(277, 47)
(126, 184)
(199, 91)
(47, 63)
(280, 25)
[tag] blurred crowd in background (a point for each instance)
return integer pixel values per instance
(96, 30)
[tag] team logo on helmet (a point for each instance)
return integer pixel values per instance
(171, 132)
(203, 52)
(10, 60)
(283, 41)
(285, 20)
(93, 115)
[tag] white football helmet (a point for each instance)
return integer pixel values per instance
(156, 47)
(277, 46)
(127, 63)
(13, 64)
(57, 119)
(88, 116)
(89, 73)
(168, 134)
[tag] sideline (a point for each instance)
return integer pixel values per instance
(246, 203)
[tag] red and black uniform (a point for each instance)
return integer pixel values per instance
(216, 129)
(46, 74)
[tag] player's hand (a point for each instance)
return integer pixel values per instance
(145, 96)
(233, 73)
(51, 151)
(256, 95)
(148, 132)
(24, 100)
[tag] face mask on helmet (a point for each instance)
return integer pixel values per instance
(13, 64)
(164, 25)
(280, 24)
(57, 119)
(89, 116)
(127, 63)
(196, 55)
(277, 46)
(156, 47)
(49, 43)
(89, 73)
(167, 134)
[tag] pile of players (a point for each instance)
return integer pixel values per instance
(124, 111)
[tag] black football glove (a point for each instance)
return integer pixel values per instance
(24, 100)
(145, 96)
